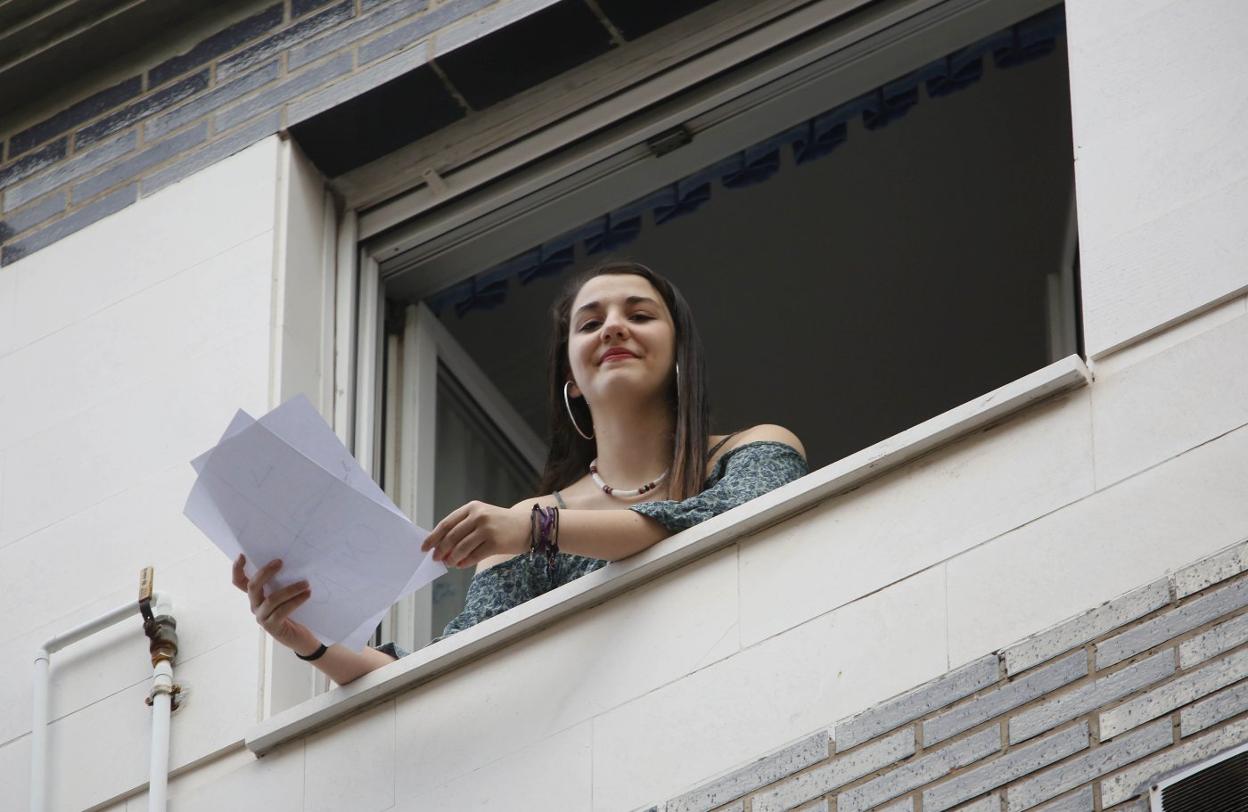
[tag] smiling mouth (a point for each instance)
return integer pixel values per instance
(616, 356)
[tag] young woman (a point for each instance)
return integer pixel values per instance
(630, 463)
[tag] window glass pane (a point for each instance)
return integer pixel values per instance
(474, 461)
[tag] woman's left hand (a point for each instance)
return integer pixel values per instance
(478, 530)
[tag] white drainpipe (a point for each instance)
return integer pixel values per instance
(157, 608)
(161, 699)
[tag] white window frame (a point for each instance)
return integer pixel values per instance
(411, 441)
(880, 43)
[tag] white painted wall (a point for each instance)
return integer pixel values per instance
(1158, 90)
(959, 553)
(124, 350)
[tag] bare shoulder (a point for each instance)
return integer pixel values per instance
(767, 431)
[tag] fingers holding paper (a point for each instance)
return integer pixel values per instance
(475, 531)
(272, 611)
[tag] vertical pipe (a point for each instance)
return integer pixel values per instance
(39, 736)
(158, 782)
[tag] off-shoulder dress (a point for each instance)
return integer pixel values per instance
(743, 473)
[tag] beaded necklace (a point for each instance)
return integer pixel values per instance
(609, 491)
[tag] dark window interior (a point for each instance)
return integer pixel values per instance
(903, 271)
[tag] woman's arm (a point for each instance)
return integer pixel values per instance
(272, 612)
(343, 665)
(607, 534)
(478, 530)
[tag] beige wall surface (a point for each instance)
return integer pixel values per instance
(124, 351)
(1158, 92)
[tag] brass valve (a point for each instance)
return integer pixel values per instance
(161, 630)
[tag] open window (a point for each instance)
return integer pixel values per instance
(868, 238)
(450, 436)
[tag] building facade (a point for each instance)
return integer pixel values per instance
(1014, 576)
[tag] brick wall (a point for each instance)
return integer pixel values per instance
(99, 154)
(1081, 717)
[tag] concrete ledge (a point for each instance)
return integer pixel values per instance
(668, 555)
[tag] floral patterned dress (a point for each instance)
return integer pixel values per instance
(747, 471)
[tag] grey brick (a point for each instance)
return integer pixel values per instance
(212, 152)
(1220, 638)
(1222, 705)
(911, 705)
(345, 35)
(123, 171)
(1206, 572)
(906, 805)
(921, 771)
(68, 170)
(1093, 695)
(1092, 764)
(34, 162)
(16, 222)
(160, 100)
(837, 772)
(298, 8)
(1174, 694)
(274, 97)
(219, 43)
(419, 28)
(1085, 627)
(211, 100)
(109, 204)
(1138, 805)
(1080, 801)
(1007, 697)
(1014, 764)
(988, 803)
(284, 40)
(361, 82)
(760, 773)
(1172, 623)
(1136, 779)
(75, 114)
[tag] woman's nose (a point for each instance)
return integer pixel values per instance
(613, 325)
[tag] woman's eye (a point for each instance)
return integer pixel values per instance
(589, 325)
(642, 316)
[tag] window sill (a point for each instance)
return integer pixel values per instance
(670, 554)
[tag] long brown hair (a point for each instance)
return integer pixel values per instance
(570, 454)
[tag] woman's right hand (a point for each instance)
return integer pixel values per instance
(273, 611)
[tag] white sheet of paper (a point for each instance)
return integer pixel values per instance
(284, 487)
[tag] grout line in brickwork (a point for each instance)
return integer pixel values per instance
(1089, 717)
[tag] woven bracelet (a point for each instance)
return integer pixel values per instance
(544, 535)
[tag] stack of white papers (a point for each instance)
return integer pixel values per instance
(284, 487)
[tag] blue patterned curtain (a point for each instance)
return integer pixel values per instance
(816, 138)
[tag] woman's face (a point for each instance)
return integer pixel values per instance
(621, 338)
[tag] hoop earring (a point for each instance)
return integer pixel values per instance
(568, 403)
